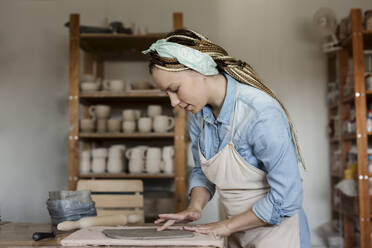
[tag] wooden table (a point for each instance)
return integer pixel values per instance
(20, 234)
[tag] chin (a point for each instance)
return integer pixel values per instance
(195, 111)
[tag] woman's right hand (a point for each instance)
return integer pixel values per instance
(187, 215)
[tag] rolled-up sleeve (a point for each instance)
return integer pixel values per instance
(197, 177)
(272, 144)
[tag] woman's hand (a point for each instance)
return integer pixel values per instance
(216, 228)
(187, 215)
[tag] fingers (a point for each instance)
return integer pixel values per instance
(172, 216)
(197, 229)
(166, 225)
(159, 221)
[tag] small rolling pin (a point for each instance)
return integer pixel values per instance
(109, 220)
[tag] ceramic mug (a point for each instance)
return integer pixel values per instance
(116, 151)
(98, 165)
(99, 153)
(87, 125)
(136, 166)
(88, 86)
(136, 153)
(154, 110)
(163, 123)
(115, 85)
(115, 165)
(114, 125)
(84, 166)
(102, 125)
(100, 111)
(85, 154)
(129, 126)
(168, 152)
(153, 159)
(145, 124)
(129, 115)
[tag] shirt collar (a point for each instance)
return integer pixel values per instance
(228, 105)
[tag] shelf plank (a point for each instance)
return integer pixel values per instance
(124, 135)
(125, 175)
(111, 47)
(119, 98)
(131, 94)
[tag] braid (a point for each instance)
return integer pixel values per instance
(237, 69)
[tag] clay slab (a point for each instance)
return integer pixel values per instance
(148, 233)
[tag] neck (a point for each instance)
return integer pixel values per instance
(217, 86)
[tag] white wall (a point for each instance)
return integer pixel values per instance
(275, 37)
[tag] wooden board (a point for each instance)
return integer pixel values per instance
(94, 236)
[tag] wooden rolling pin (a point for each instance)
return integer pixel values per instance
(109, 220)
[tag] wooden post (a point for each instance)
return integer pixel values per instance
(74, 101)
(179, 142)
(361, 127)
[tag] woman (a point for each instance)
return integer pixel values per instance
(243, 144)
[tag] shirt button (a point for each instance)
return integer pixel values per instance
(278, 203)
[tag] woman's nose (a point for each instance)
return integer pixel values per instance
(174, 99)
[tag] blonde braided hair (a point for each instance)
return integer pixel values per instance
(237, 69)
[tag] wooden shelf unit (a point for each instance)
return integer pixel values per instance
(97, 49)
(353, 47)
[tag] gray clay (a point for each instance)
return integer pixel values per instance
(146, 233)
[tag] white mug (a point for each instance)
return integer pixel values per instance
(163, 123)
(153, 160)
(117, 151)
(115, 85)
(114, 125)
(135, 153)
(167, 166)
(84, 164)
(129, 126)
(153, 110)
(145, 124)
(99, 153)
(135, 166)
(115, 165)
(99, 165)
(85, 154)
(129, 115)
(168, 152)
(100, 111)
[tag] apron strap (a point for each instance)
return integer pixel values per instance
(233, 121)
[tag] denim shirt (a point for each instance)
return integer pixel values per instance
(263, 138)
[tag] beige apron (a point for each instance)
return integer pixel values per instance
(240, 185)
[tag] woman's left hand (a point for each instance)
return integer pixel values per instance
(216, 228)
